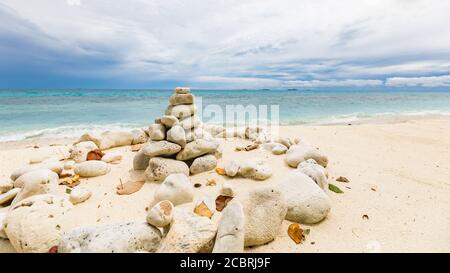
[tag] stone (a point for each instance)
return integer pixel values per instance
(109, 139)
(92, 168)
(181, 111)
(197, 133)
(157, 132)
(79, 151)
(177, 135)
(264, 209)
(35, 183)
(182, 90)
(300, 153)
(307, 202)
(255, 169)
(315, 172)
(2, 225)
(227, 189)
(197, 148)
(139, 136)
(189, 233)
(203, 164)
(269, 146)
(6, 185)
(176, 188)
(214, 130)
(159, 168)
(112, 157)
(219, 152)
(232, 168)
(279, 149)
(38, 158)
(6, 197)
(140, 161)
(287, 142)
(35, 224)
(169, 121)
(160, 148)
(79, 195)
(56, 167)
(178, 99)
(114, 238)
(161, 214)
(190, 122)
(231, 230)
(68, 165)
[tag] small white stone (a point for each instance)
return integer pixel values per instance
(232, 168)
(112, 157)
(161, 214)
(69, 165)
(79, 195)
(227, 189)
(373, 247)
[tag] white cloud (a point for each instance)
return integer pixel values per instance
(331, 83)
(436, 81)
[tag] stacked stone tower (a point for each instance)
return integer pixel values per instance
(177, 141)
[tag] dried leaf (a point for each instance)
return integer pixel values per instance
(203, 210)
(211, 182)
(65, 175)
(296, 233)
(222, 201)
(95, 155)
(129, 187)
(342, 179)
(220, 171)
(334, 188)
(70, 181)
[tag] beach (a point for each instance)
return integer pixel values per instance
(396, 200)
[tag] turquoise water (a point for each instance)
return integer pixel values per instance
(52, 113)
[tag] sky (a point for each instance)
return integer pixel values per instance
(224, 44)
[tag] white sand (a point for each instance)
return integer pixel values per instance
(407, 163)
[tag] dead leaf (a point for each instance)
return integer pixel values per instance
(220, 171)
(296, 233)
(203, 210)
(342, 179)
(65, 175)
(211, 182)
(222, 201)
(71, 181)
(129, 187)
(95, 155)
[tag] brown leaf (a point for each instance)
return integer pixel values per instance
(211, 182)
(95, 155)
(222, 202)
(342, 179)
(71, 181)
(296, 233)
(129, 187)
(203, 210)
(220, 171)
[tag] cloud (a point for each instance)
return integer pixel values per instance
(436, 81)
(225, 43)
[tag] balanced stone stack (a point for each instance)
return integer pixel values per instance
(177, 142)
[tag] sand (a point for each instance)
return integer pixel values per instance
(399, 176)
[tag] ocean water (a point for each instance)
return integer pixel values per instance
(27, 114)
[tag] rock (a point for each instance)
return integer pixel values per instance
(315, 172)
(35, 183)
(182, 90)
(160, 148)
(6, 186)
(169, 121)
(218, 153)
(203, 164)
(6, 197)
(159, 168)
(231, 230)
(139, 136)
(269, 146)
(254, 169)
(91, 168)
(178, 99)
(189, 233)
(214, 129)
(115, 238)
(227, 189)
(279, 149)
(307, 202)
(232, 168)
(38, 158)
(68, 165)
(140, 161)
(161, 214)
(157, 132)
(177, 135)
(190, 122)
(109, 139)
(264, 210)
(56, 167)
(80, 150)
(112, 157)
(300, 153)
(287, 142)
(79, 195)
(176, 188)
(2, 225)
(35, 224)
(181, 111)
(197, 148)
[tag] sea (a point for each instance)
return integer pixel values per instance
(31, 114)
